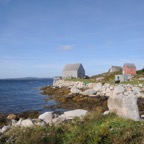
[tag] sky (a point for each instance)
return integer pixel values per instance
(39, 37)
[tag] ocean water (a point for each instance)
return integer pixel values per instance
(18, 96)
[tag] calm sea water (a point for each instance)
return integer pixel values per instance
(23, 95)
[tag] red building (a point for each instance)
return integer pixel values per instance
(129, 68)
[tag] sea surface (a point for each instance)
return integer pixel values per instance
(18, 96)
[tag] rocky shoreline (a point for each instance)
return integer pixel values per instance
(71, 101)
(99, 89)
(79, 98)
(97, 96)
(24, 115)
(46, 119)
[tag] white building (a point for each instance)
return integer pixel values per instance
(115, 68)
(122, 78)
(73, 71)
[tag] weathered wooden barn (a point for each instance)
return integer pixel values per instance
(115, 68)
(129, 68)
(73, 71)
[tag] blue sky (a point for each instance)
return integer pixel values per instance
(38, 37)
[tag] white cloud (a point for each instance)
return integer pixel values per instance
(66, 47)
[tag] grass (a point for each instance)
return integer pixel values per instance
(93, 129)
(135, 80)
(90, 80)
(109, 78)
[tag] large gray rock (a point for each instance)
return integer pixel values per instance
(141, 78)
(75, 113)
(39, 122)
(126, 93)
(58, 120)
(98, 87)
(47, 117)
(111, 87)
(19, 122)
(75, 90)
(124, 106)
(42, 123)
(5, 128)
(118, 90)
(88, 92)
(27, 123)
(141, 85)
(108, 94)
(14, 122)
(136, 89)
(106, 112)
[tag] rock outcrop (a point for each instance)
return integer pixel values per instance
(58, 120)
(75, 90)
(11, 116)
(75, 113)
(124, 105)
(88, 92)
(122, 98)
(47, 118)
(26, 123)
(98, 89)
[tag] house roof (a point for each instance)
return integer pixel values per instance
(130, 65)
(72, 67)
(117, 67)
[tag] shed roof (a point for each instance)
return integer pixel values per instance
(72, 67)
(130, 65)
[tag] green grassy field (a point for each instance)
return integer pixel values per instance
(109, 78)
(90, 80)
(93, 129)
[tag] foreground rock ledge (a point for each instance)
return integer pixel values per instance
(124, 106)
(47, 118)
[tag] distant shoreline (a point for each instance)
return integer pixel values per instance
(27, 78)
